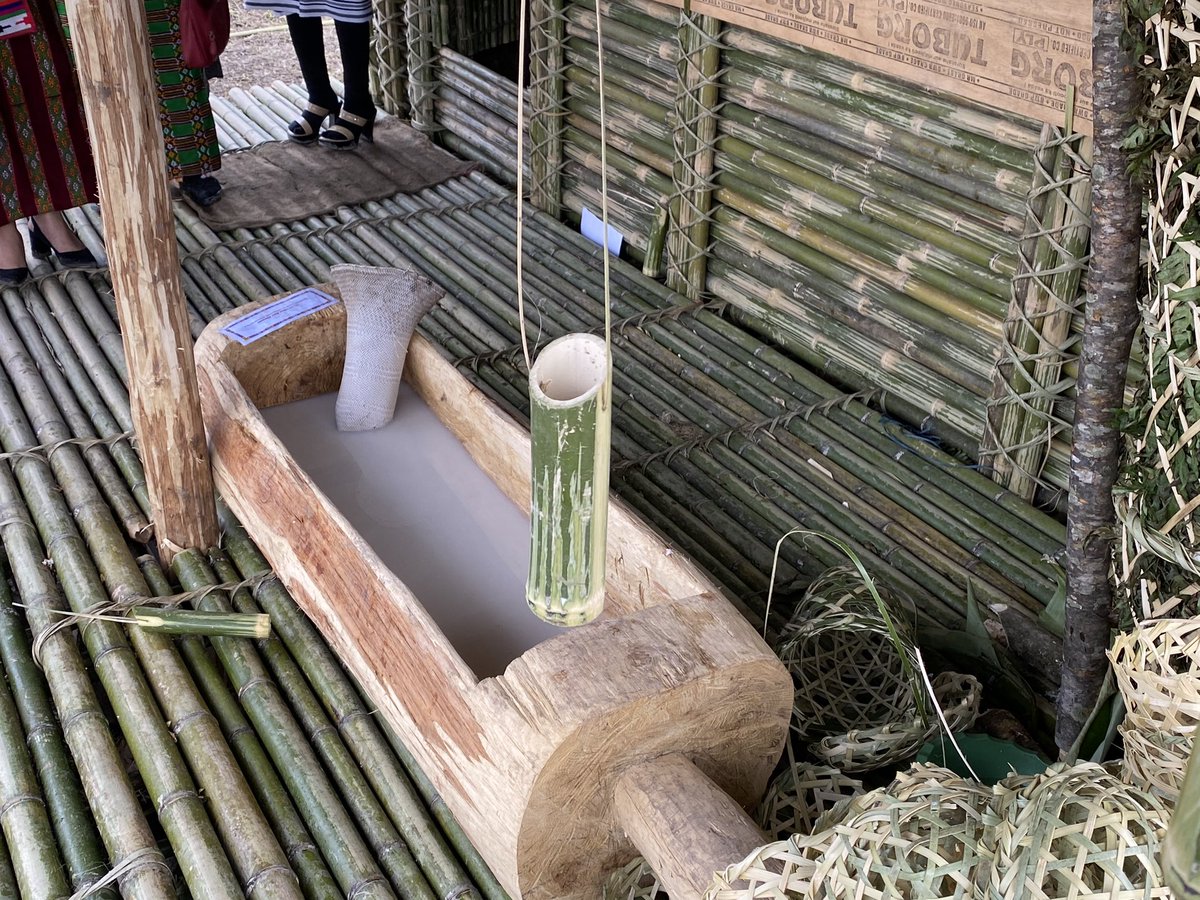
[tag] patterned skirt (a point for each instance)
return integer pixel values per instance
(188, 127)
(45, 159)
(340, 10)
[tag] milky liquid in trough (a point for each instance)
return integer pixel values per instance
(435, 519)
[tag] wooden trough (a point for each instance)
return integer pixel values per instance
(650, 728)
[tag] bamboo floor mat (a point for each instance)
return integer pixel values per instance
(721, 442)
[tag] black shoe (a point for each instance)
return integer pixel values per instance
(203, 190)
(13, 277)
(347, 129)
(305, 129)
(41, 248)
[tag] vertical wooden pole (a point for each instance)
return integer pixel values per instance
(112, 51)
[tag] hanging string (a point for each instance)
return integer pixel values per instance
(521, 26)
(604, 198)
(521, 191)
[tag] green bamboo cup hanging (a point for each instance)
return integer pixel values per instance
(570, 425)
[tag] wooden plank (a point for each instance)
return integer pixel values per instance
(112, 51)
(1008, 54)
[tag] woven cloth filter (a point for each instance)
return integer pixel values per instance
(1077, 832)
(848, 672)
(1158, 672)
(868, 749)
(801, 796)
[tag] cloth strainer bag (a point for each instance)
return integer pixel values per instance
(383, 306)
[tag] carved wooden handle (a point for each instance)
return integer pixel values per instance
(684, 824)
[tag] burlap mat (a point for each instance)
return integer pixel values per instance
(283, 181)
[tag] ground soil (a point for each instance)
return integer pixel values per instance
(260, 52)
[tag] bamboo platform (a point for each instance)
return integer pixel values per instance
(722, 441)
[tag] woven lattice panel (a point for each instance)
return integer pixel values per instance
(1159, 492)
(389, 57)
(1158, 672)
(1077, 832)
(848, 671)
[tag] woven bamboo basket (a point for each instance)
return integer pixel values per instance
(848, 671)
(1067, 834)
(1077, 832)
(802, 799)
(634, 881)
(1156, 668)
(919, 837)
(869, 749)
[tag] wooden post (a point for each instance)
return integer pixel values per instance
(112, 51)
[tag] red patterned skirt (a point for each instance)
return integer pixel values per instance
(45, 158)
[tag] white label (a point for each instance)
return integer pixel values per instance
(274, 316)
(592, 228)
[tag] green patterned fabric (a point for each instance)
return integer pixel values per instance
(189, 132)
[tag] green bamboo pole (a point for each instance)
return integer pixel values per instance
(294, 837)
(118, 813)
(39, 869)
(303, 753)
(355, 725)
(8, 878)
(183, 817)
(74, 828)
(997, 126)
(22, 345)
(361, 730)
(546, 61)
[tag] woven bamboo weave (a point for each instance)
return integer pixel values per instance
(848, 672)
(1157, 668)
(1067, 834)
(802, 796)
(870, 749)
(634, 881)
(1159, 492)
(1077, 832)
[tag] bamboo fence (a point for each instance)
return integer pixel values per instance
(884, 235)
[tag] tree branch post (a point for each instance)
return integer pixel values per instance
(1109, 321)
(112, 50)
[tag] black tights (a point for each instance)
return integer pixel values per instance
(354, 40)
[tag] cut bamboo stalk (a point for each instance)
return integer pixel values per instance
(356, 728)
(124, 489)
(570, 430)
(272, 796)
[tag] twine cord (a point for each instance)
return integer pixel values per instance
(116, 609)
(119, 871)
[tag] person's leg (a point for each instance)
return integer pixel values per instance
(56, 230)
(13, 268)
(357, 118)
(308, 40)
(354, 41)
